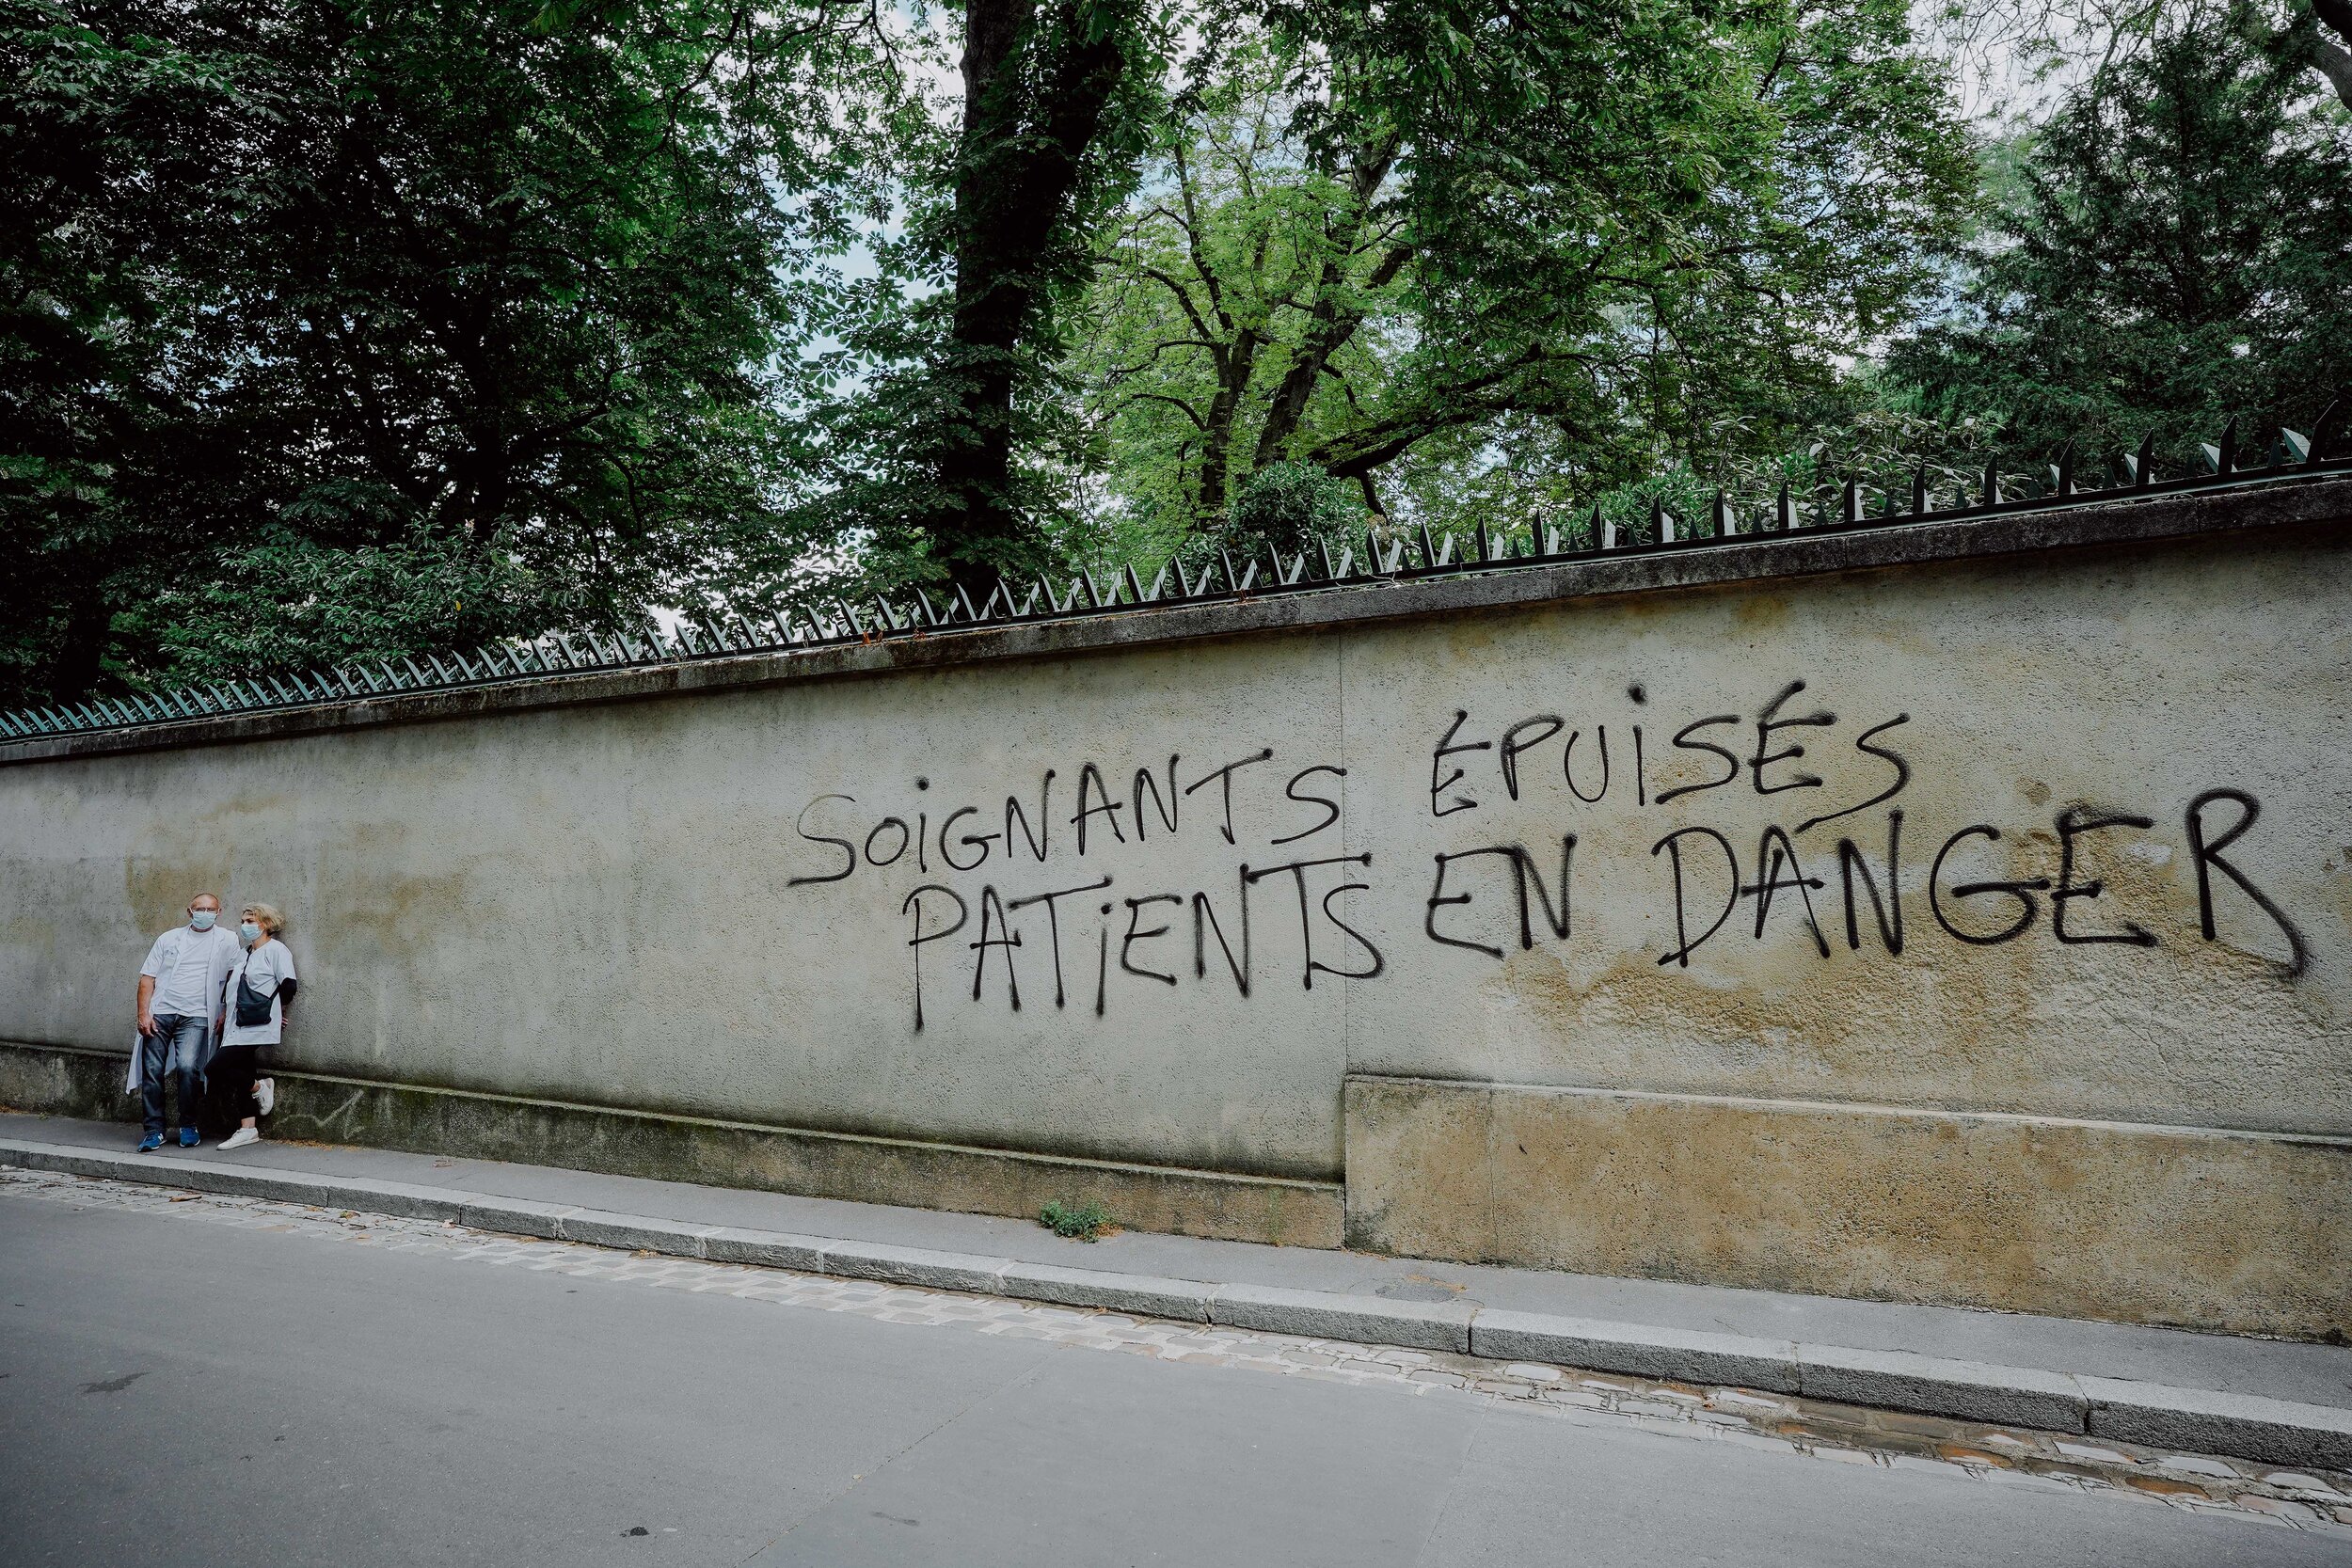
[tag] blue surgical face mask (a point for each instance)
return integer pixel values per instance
(250, 932)
(202, 919)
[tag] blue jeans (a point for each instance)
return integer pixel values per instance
(180, 1043)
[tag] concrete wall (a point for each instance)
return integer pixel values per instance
(797, 897)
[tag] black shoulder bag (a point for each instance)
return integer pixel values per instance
(252, 1005)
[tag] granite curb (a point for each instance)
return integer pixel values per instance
(2275, 1431)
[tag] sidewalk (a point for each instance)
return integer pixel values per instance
(2277, 1401)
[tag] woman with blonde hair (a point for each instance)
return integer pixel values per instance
(260, 989)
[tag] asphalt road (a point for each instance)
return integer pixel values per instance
(196, 1394)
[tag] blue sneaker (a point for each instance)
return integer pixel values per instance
(150, 1144)
(188, 1137)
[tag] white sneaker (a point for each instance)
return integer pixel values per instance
(238, 1139)
(265, 1093)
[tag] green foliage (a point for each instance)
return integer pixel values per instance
(1288, 507)
(1607, 239)
(1082, 1222)
(2180, 253)
(287, 600)
(496, 289)
(334, 329)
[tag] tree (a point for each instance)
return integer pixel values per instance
(1629, 235)
(2180, 252)
(497, 291)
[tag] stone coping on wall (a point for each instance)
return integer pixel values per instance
(2291, 502)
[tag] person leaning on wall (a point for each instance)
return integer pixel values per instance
(180, 1008)
(255, 995)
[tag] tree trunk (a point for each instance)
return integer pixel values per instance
(2331, 56)
(1035, 87)
(81, 658)
(1332, 322)
(1236, 363)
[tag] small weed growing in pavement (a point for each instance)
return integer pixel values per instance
(1084, 1221)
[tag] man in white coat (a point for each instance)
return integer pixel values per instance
(180, 1009)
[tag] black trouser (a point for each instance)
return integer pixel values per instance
(229, 1080)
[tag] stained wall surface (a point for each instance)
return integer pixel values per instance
(1924, 837)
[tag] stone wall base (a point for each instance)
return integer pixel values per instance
(2242, 1232)
(70, 1081)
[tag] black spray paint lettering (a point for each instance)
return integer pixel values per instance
(993, 916)
(1436, 760)
(1671, 844)
(1330, 806)
(1773, 849)
(1053, 921)
(2021, 889)
(1885, 754)
(1683, 740)
(1126, 943)
(1512, 746)
(1766, 726)
(1298, 870)
(1165, 804)
(1225, 776)
(1090, 780)
(1527, 880)
(1567, 765)
(1889, 914)
(913, 905)
(2207, 854)
(849, 854)
(2071, 825)
(1204, 920)
(1039, 842)
(986, 840)
(1438, 899)
(897, 850)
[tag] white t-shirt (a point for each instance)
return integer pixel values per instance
(186, 965)
(268, 965)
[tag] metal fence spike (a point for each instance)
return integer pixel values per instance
(1410, 550)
